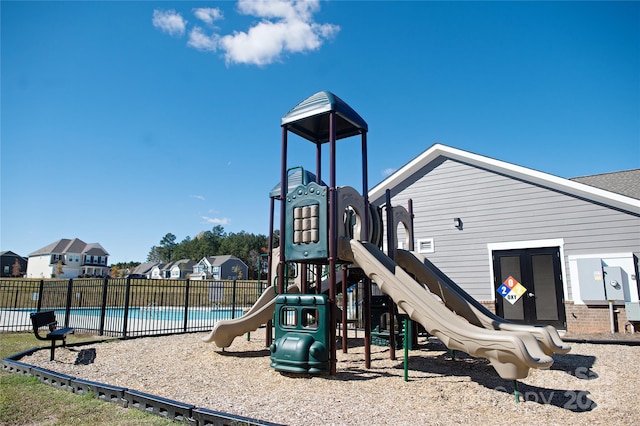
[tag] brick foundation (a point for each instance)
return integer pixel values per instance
(595, 318)
(489, 304)
(588, 318)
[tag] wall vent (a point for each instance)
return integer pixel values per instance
(426, 245)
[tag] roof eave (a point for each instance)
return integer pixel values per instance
(529, 175)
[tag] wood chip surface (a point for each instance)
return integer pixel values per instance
(593, 384)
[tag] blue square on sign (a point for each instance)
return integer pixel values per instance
(503, 290)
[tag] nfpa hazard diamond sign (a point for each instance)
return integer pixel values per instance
(511, 290)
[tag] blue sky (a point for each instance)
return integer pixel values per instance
(123, 121)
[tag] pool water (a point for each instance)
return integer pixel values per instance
(158, 313)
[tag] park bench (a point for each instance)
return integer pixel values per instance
(47, 320)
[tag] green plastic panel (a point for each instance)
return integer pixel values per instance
(307, 232)
(302, 325)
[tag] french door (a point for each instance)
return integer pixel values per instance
(529, 289)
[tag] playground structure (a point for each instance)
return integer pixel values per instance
(329, 227)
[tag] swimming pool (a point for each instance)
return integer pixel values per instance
(162, 313)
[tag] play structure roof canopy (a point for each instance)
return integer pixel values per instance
(310, 118)
(294, 179)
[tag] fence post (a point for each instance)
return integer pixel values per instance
(40, 294)
(68, 307)
(103, 305)
(186, 304)
(15, 299)
(127, 294)
(233, 300)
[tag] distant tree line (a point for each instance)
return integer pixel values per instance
(245, 246)
(120, 269)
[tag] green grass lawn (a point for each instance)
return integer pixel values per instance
(26, 401)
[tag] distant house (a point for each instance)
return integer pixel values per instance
(224, 267)
(180, 269)
(572, 243)
(158, 271)
(7, 262)
(144, 269)
(67, 258)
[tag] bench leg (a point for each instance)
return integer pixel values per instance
(53, 349)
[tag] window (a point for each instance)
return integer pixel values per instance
(426, 245)
(289, 317)
(310, 318)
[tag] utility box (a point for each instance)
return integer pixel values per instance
(633, 311)
(591, 280)
(615, 283)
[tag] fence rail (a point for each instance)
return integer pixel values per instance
(126, 307)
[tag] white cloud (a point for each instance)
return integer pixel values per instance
(283, 27)
(169, 21)
(291, 30)
(198, 197)
(199, 40)
(388, 171)
(208, 14)
(216, 220)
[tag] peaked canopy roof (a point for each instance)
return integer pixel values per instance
(310, 118)
(294, 179)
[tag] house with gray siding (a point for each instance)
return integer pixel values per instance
(225, 267)
(573, 244)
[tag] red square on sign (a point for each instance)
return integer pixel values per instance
(510, 282)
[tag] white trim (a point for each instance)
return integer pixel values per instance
(519, 172)
(516, 245)
(601, 255)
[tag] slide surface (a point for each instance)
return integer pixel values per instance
(224, 331)
(459, 301)
(511, 353)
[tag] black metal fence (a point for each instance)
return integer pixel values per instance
(126, 307)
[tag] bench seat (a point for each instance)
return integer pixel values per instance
(47, 320)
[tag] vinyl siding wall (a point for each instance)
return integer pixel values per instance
(495, 208)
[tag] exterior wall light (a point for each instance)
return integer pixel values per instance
(457, 222)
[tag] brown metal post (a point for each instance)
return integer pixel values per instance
(367, 322)
(344, 309)
(303, 277)
(318, 162)
(318, 279)
(318, 268)
(283, 204)
(411, 216)
(414, 328)
(332, 238)
(269, 328)
(365, 186)
(390, 252)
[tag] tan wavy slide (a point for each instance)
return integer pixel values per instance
(511, 353)
(224, 331)
(463, 304)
